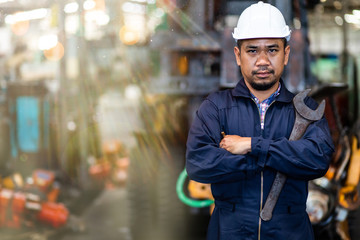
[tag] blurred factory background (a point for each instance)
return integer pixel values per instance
(96, 99)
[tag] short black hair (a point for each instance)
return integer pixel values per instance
(239, 42)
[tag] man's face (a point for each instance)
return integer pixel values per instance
(262, 61)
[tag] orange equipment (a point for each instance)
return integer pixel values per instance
(13, 181)
(112, 168)
(54, 214)
(100, 171)
(12, 205)
(43, 179)
(349, 196)
(16, 206)
(201, 191)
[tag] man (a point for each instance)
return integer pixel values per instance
(239, 139)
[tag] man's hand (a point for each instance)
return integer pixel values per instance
(236, 144)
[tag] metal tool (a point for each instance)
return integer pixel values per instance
(304, 116)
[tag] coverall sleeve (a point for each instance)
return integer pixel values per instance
(206, 162)
(307, 158)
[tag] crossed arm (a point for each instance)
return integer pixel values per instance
(236, 144)
(211, 159)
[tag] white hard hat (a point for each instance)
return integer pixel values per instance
(261, 20)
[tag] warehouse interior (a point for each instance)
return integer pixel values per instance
(97, 97)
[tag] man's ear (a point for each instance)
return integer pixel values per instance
(287, 53)
(237, 55)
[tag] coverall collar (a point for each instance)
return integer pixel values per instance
(241, 90)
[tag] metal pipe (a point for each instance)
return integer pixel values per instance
(62, 94)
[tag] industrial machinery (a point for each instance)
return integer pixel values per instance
(191, 55)
(28, 109)
(112, 168)
(31, 202)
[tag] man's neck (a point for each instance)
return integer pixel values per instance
(262, 95)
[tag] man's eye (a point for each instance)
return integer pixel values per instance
(251, 51)
(273, 50)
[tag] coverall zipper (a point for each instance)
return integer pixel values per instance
(261, 201)
(262, 173)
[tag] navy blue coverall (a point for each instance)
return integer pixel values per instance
(241, 183)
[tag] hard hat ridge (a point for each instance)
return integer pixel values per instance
(261, 20)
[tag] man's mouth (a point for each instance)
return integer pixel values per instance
(263, 73)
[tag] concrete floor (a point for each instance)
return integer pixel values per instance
(106, 218)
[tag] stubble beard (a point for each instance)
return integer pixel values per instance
(262, 85)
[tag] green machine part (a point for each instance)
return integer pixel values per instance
(182, 196)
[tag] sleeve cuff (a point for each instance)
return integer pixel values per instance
(260, 148)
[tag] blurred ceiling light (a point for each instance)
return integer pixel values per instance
(71, 7)
(72, 24)
(89, 4)
(53, 86)
(103, 20)
(349, 18)
(322, 1)
(356, 13)
(339, 20)
(131, 7)
(47, 42)
(337, 5)
(132, 92)
(128, 36)
(135, 22)
(26, 16)
(100, 17)
(71, 126)
(55, 53)
(5, 1)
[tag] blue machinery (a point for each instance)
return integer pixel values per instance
(29, 112)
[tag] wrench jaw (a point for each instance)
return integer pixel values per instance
(304, 115)
(304, 111)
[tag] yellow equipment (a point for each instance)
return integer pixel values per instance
(349, 195)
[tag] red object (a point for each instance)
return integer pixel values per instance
(100, 171)
(53, 194)
(54, 214)
(12, 206)
(43, 179)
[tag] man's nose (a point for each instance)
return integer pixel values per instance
(262, 59)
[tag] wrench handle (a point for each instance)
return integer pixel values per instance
(278, 184)
(298, 130)
(299, 127)
(303, 117)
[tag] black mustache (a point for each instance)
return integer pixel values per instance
(263, 69)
